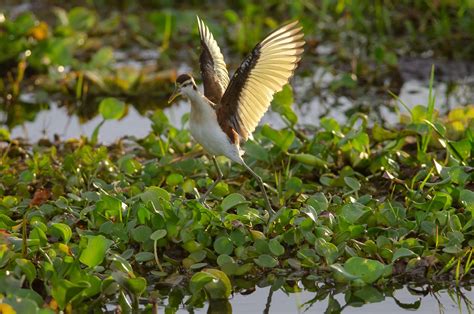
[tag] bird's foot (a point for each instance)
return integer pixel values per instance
(202, 200)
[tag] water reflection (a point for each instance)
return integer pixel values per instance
(313, 99)
(422, 299)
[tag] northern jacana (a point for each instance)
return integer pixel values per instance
(230, 109)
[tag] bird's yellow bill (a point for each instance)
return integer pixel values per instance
(173, 96)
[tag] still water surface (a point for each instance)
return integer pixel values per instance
(443, 301)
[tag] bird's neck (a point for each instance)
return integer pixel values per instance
(201, 107)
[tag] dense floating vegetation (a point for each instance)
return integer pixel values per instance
(361, 207)
(355, 205)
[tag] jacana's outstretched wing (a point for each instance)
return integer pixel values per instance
(262, 73)
(213, 69)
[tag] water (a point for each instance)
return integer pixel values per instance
(57, 120)
(400, 301)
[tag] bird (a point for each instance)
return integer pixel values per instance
(226, 115)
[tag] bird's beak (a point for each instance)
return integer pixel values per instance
(173, 96)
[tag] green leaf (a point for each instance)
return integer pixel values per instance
(353, 183)
(220, 288)
(158, 234)
(94, 253)
(341, 272)
(199, 280)
(144, 256)
(366, 269)
(154, 194)
(61, 230)
(352, 212)
(141, 233)
(4, 134)
(102, 58)
(463, 148)
(224, 259)
(275, 247)
(174, 179)
(327, 250)
(233, 200)
(81, 19)
(467, 199)
(309, 160)
(402, 252)
(137, 285)
(215, 282)
(282, 102)
(223, 245)
(282, 138)
(111, 108)
(266, 261)
(27, 268)
(110, 206)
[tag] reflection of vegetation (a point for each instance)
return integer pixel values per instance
(360, 209)
(80, 53)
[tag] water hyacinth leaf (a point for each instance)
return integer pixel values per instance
(174, 179)
(199, 280)
(215, 282)
(81, 19)
(61, 230)
(352, 212)
(224, 259)
(102, 58)
(256, 151)
(467, 199)
(318, 202)
(402, 252)
(141, 233)
(311, 212)
(94, 253)
(154, 194)
(327, 250)
(27, 268)
(233, 200)
(197, 265)
(158, 234)
(309, 160)
(342, 274)
(223, 245)
(4, 134)
(282, 138)
(111, 108)
(352, 183)
(366, 269)
(144, 256)
(110, 206)
(137, 285)
(275, 247)
(282, 102)
(266, 261)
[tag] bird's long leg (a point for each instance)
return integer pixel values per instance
(219, 178)
(262, 187)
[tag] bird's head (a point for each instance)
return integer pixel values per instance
(185, 85)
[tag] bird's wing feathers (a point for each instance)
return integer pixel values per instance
(262, 73)
(213, 68)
